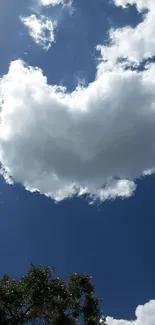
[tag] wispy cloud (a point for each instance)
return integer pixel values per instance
(41, 29)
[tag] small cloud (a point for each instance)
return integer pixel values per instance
(40, 29)
(145, 315)
(51, 2)
(55, 2)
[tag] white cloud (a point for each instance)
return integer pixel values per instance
(54, 142)
(51, 2)
(55, 2)
(140, 4)
(145, 315)
(97, 139)
(133, 44)
(40, 29)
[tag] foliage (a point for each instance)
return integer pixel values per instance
(41, 298)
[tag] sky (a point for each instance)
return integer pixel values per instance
(77, 148)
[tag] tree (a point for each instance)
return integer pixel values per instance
(43, 299)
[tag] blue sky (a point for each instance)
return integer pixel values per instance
(57, 144)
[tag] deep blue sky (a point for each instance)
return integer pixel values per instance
(114, 242)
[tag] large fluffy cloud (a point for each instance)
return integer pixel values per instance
(53, 141)
(97, 139)
(41, 29)
(145, 315)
